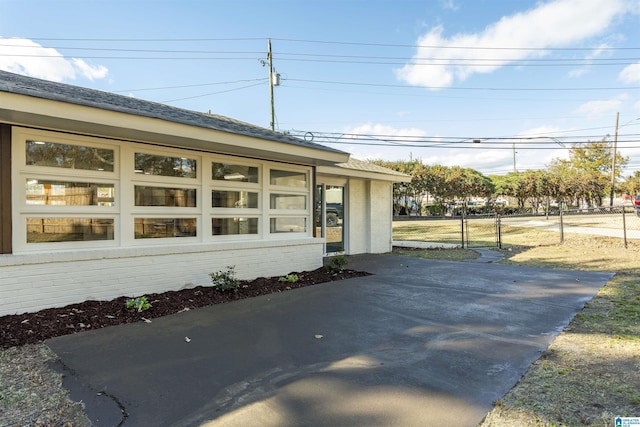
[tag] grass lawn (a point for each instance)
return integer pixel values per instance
(591, 372)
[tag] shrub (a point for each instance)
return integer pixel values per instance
(290, 278)
(140, 303)
(225, 280)
(338, 263)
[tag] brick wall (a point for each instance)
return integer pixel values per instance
(32, 282)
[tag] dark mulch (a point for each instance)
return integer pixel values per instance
(31, 328)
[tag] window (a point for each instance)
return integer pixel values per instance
(70, 156)
(230, 226)
(47, 230)
(288, 201)
(288, 225)
(65, 193)
(73, 192)
(167, 197)
(234, 199)
(234, 173)
(153, 228)
(151, 164)
(288, 178)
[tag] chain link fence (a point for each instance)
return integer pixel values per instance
(620, 223)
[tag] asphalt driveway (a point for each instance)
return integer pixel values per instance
(419, 343)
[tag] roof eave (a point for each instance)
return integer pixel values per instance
(355, 173)
(42, 113)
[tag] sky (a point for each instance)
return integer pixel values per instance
(492, 85)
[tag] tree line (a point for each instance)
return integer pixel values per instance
(583, 179)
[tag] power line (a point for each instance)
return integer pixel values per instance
(333, 42)
(417, 141)
(190, 86)
(516, 48)
(212, 93)
(412, 59)
(463, 88)
(479, 62)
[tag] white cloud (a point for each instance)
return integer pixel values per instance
(594, 54)
(605, 106)
(383, 134)
(23, 56)
(630, 74)
(379, 141)
(449, 5)
(91, 72)
(552, 24)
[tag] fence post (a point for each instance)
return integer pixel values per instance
(499, 231)
(561, 224)
(462, 227)
(624, 226)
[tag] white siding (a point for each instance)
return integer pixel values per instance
(358, 222)
(369, 224)
(381, 217)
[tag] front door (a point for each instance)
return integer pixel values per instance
(330, 220)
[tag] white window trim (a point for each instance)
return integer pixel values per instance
(291, 213)
(124, 180)
(21, 172)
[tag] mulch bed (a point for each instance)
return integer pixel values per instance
(31, 328)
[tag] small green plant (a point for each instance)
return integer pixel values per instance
(225, 280)
(140, 303)
(289, 278)
(338, 263)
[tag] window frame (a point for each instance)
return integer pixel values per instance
(124, 180)
(231, 185)
(305, 191)
(22, 172)
(129, 209)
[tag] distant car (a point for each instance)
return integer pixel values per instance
(636, 204)
(334, 214)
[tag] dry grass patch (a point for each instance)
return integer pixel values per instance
(31, 393)
(591, 372)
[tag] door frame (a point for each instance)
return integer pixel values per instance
(323, 182)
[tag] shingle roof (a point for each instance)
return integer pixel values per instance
(18, 84)
(364, 166)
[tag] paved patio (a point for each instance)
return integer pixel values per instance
(421, 342)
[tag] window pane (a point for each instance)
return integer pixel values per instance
(53, 154)
(288, 201)
(149, 164)
(234, 199)
(152, 228)
(226, 226)
(288, 225)
(235, 173)
(288, 178)
(161, 196)
(62, 193)
(43, 230)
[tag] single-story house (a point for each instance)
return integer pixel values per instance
(103, 195)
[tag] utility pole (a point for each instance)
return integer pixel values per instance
(273, 112)
(613, 161)
(514, 158)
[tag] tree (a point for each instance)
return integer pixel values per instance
(586, 175)
(631, 184)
